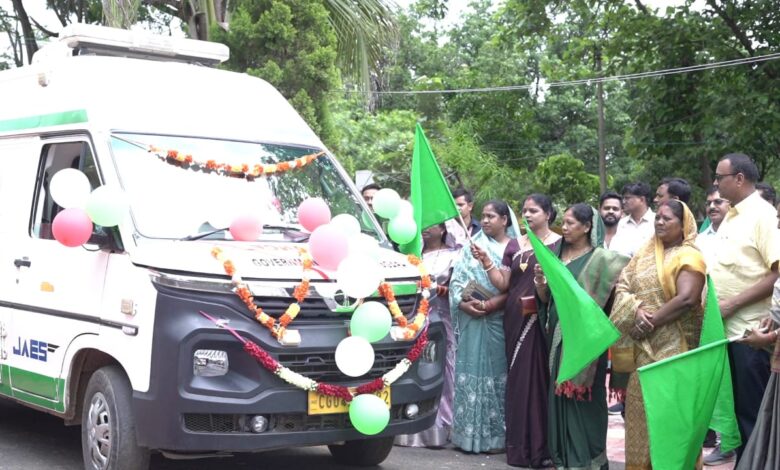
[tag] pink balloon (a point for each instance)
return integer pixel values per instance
(329, 246)
(72, 227)
(246, 228)
(313, 212)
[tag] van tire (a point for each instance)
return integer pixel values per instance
(107, 415)
(364, 452)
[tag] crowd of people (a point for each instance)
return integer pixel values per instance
(647, 270)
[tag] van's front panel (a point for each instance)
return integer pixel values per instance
(186, 412)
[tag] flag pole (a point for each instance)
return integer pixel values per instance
(466, 229)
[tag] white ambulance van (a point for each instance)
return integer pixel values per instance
(110, 335)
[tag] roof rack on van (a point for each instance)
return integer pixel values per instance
(88, 39)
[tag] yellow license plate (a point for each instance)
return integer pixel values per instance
(325, 405)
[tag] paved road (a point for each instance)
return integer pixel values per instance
(30, 440)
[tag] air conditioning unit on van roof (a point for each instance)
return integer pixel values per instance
(88, 39)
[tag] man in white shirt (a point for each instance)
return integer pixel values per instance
(636, 228)
(717, 208)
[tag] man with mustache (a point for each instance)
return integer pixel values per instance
(611, 211)
(717, 208)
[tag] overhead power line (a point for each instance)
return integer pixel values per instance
(586, 81)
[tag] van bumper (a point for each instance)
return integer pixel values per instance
(186, 413)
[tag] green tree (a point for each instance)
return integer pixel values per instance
(564, 178)
(291, 45)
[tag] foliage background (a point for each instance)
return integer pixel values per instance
(501, 144)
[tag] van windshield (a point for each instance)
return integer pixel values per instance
(180, 187)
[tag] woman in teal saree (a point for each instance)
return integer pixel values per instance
(577, 426)
(480, 362)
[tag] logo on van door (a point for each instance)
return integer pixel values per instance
(34, 349)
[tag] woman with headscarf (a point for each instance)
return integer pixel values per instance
(525, 346)
(762, 451)
(477, 316)
(577, 426)
(658, 310)
(438, 255)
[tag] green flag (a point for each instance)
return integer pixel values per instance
(680, 395)
(430, 195)
(723, 418)
(586, 332)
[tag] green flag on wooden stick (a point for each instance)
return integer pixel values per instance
(586, 331)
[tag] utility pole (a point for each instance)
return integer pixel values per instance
(602, 145)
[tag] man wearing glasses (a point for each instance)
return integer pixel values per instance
(716, 209)
(639, 223)
(747, 252)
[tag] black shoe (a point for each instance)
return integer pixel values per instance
(710, 440)
(617, 409)
(716, 457)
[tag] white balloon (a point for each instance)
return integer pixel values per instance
(405, 208)
(354, 356)
(346, 223)
(358, 277)
(364, 245)
(70, 188)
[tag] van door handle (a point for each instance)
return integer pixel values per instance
(19, 262)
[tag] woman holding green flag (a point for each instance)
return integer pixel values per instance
(526, 350)
(577, 425)
(477, 316)
(658, 310)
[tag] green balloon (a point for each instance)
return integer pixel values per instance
(386, 203)
(402, 229)
(107, 206)
(369, 414)
(371, 321)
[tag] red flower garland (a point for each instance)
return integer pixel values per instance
(340, 391)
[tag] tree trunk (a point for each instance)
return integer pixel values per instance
(602, 144)
(30, 44)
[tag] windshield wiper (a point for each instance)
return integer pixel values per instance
(286, 229)
(199, 235)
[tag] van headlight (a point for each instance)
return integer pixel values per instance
(210, 363)
(429, 352)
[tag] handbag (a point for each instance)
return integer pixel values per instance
(475, 290)
(623, 359)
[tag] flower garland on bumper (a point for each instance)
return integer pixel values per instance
(340, 391)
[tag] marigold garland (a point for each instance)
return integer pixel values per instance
(242, 170)
(340, 391)
(409, 331)
(277, 328)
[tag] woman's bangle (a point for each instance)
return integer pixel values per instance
(543, 282)
(776, 334)
(489, 268)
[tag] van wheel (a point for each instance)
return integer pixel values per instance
(363, 453)
(108, 426)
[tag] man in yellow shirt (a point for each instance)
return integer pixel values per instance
(744, 272)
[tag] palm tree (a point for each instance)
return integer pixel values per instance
(363, 27)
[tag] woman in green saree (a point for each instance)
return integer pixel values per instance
(577, 426)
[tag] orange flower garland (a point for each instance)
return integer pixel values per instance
(242, 170)
(300, 292)
(409, 330)
(277, 329)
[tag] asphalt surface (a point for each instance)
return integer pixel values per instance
(32, 440)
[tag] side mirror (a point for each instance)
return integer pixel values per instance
(106, 238)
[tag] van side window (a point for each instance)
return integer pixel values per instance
(56, 157)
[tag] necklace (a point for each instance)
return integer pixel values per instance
(524, 263)
(576, 255)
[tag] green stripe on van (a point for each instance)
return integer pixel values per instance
(27, 379)
(44, 120)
